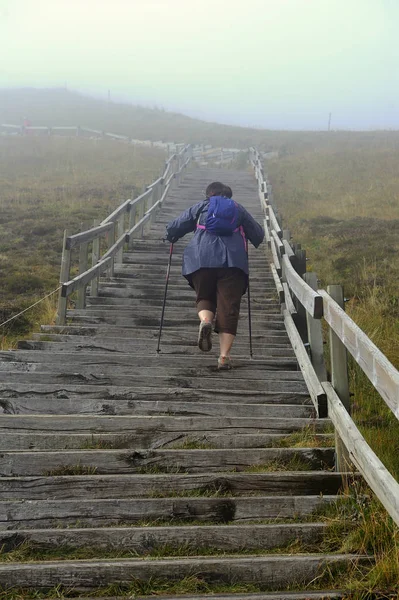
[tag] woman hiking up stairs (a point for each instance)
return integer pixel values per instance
(131, 474)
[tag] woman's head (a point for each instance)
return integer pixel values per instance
(215, 189)
(227, 192)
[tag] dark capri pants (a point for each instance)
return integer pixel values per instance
(221, 289)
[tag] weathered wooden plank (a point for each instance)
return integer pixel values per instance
(60, 441)
(274, 224)
(163, 406)
(278, 243)
(144, 540)
(87, 236)
(272, 348)
(139, 486)
(272, 571)
(276, 260)
(375, 365)
(126, 423)
(289, 251)
(113, 462)
(102, 331)
(125, 358)
(267, 231)
(277, 281)
(81, 377)
(316, 391)
(39, 514)
(288, 300)
(88, 367)
(310, 299)
(375, 473)
(85, 278)
(315, 335)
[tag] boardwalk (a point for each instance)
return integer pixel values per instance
(105, 445)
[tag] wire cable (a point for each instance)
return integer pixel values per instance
(31, 306)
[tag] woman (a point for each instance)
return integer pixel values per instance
(215, 262)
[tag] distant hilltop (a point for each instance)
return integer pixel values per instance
(58, 106)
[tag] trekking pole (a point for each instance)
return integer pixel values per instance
(164, 297)
(249, 311)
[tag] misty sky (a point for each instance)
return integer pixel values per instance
(270, 63)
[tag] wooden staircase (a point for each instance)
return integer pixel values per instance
(121, 467)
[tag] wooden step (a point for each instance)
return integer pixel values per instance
(121, 369)
(138, 360)
(303, 483)
(18, 440)
(16, 464)
(223, 380)
(54, 390)
(113, 345)
(159, 424)
(273, 572)
(163, 406)
(47, 513)
(144, 540)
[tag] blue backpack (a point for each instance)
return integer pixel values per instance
(222, 216)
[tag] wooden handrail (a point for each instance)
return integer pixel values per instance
(87, 236)
(122, 209)
(375, 473)
(311, 300)
(114, 224)
(84, 278)
(351, 447)
(381, 373)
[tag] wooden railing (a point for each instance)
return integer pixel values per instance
(303, 306)
(130, 220)
(78, 131)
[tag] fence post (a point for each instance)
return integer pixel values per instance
(315, 337)
(64, 277)
(95, 256)
(132, 221)
(339, 380)
(83, 260)
(121, 231)
(111, 242)
(300, 318)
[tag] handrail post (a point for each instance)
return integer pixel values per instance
(339, 380)
(120, 231)
(83, 260)
(111, 242)
(64, 276)
(315, 338)
(132, 221)
(95, 255)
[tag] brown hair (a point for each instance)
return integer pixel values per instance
(215, 189)
(228, 192)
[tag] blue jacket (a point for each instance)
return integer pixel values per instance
(206, 250)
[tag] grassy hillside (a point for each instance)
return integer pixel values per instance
(46, 186)
(60, 107)
(342, 203)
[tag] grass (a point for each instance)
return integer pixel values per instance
(192, 444)
(340, 200)
(48, 185)
(306, 438)
(296, 463)
(71, 470)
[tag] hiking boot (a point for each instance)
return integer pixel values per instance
(224, 363)
(205, 336)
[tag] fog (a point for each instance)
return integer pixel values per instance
(269, 63)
